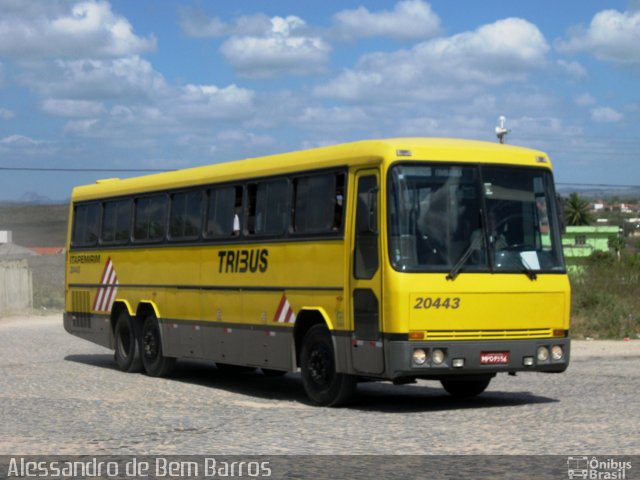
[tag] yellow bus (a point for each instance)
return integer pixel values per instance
(396, 259)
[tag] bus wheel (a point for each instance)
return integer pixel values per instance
(127, 352)
(323, 385)
(155, 363)
(467, 387)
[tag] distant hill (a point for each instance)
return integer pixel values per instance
(35, 225)
(36, 199)
(594, 193)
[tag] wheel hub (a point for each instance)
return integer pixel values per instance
(150, 345)
(320, 367)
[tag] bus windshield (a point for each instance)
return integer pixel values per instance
(458, 218)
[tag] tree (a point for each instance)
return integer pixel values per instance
(577, 211)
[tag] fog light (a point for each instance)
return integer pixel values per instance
(543, 354)
(437, 357)
(419, 356)
(556, 352)
(457, 362)
(527, 361)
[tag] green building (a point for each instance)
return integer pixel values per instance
(580, 242)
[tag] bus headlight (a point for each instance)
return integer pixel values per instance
(556, 352)
(437, 357)
(419, 356)
(543, 354)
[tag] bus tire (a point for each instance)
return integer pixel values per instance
(467, 387)
(323, 385)
(154, 362)
(127, 351)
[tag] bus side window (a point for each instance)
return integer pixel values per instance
(150, 218)
(318, 203)
(86, 222)
(267, 207)
(185, 219)
(116, 222)
(224, 210)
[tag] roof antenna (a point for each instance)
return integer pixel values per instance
(501, 130)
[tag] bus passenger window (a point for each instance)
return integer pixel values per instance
(224, 210)
(116, 222)
(267, 207)
(150, 218)
(86, 219)
(186, 215)
(318, 203)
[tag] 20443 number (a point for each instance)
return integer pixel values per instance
(437, 302)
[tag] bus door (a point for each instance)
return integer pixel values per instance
(367, 353)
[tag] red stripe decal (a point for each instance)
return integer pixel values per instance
(283, 301)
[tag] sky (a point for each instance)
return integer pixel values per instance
(126, 85)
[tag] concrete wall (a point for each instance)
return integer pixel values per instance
(16, 290)
(48, 281)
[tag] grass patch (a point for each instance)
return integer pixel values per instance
(606, 297)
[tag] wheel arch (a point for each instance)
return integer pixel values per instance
(307, 318)
(146, 307)
(118, 306)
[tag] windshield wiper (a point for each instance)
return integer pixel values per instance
(527, 270)
(475, 243)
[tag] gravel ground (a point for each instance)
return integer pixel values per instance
(62, 395)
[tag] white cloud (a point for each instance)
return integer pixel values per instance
(80, 127)
(333, 119)
(212, 102)
(72, 108)
(612, 36)
(606, 115)
(195, 23)
(409, 20)
(346, 122)
(89, 29)
(130, 77)
(243, 138)
(284, 49)
(541, 127)
(445, 68)
(574, 69)
(19, 141)
(238, 143)
(420, 127)
(585, 100)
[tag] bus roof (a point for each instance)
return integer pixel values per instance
(360, 153)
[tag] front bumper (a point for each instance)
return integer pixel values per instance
(400, 364)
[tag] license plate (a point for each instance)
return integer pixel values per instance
(494, 358)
